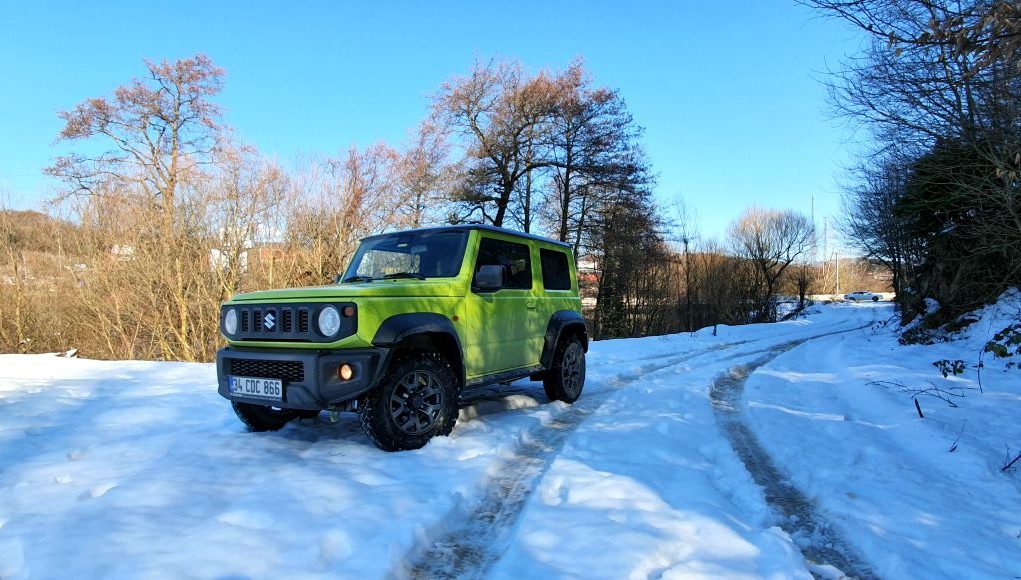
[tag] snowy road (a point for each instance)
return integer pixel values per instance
(479, 537)
(139, 470)
(826, 550)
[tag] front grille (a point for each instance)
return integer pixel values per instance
(254, 323)
(287, 322)
(291, 371)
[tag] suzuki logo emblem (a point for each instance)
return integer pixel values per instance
(269, 321)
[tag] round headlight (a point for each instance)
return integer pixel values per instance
(230, 321)
(329, 321)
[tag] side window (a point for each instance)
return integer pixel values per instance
(513, 257)
(556, 274)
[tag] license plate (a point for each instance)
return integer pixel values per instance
(256, 387)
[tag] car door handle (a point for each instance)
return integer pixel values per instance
(530, 305)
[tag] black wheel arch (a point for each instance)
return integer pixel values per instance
(563, 323)
(422, 331)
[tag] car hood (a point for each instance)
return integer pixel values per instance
(373, 289)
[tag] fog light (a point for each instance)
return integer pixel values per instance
(346, 372)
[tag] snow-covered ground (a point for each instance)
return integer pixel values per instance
(669, 465)
(919, 498)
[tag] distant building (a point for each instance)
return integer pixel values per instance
(123, 252)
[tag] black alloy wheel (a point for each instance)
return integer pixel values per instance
(416, 402)
(566, 379)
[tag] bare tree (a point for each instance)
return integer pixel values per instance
(803, 277)
(722, 285)
(685, 233)
(770, 240)
(423, 177)
(343, 199)
(938, 87)
(243, 209)
(593, 138)
(157, 131)
(498, 111)
(634, 286)
(872, 223)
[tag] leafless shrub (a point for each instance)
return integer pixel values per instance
(1011, 461)
(947, 395)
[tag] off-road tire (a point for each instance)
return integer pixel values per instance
(875, 298)
(259, 418)
(566, 377)
(414, 373)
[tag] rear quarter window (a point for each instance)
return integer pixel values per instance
(556, 274)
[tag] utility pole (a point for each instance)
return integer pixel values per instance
(687, 284)
(836, 264)
(825, 236)
(815, 235)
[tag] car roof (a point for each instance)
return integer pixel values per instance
(469, 227)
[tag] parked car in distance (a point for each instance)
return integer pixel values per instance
(862, 295)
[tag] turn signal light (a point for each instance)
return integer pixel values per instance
(346, 372)
(348, 311)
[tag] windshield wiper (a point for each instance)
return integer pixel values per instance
(357, 278)
(415, 275)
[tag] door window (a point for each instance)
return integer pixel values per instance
(513, 257)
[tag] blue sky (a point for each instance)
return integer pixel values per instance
(729, 97)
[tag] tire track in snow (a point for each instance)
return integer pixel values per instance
(650, 364)
(481, 533)
(821, 543)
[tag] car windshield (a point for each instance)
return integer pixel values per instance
(412, 255)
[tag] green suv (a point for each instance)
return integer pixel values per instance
(418, 317)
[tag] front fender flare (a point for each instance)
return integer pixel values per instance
(401, 327)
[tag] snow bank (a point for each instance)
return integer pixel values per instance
(918, 497)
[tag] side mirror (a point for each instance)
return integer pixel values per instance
(489, 278)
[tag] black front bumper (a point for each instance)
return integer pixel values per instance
(309, 377)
